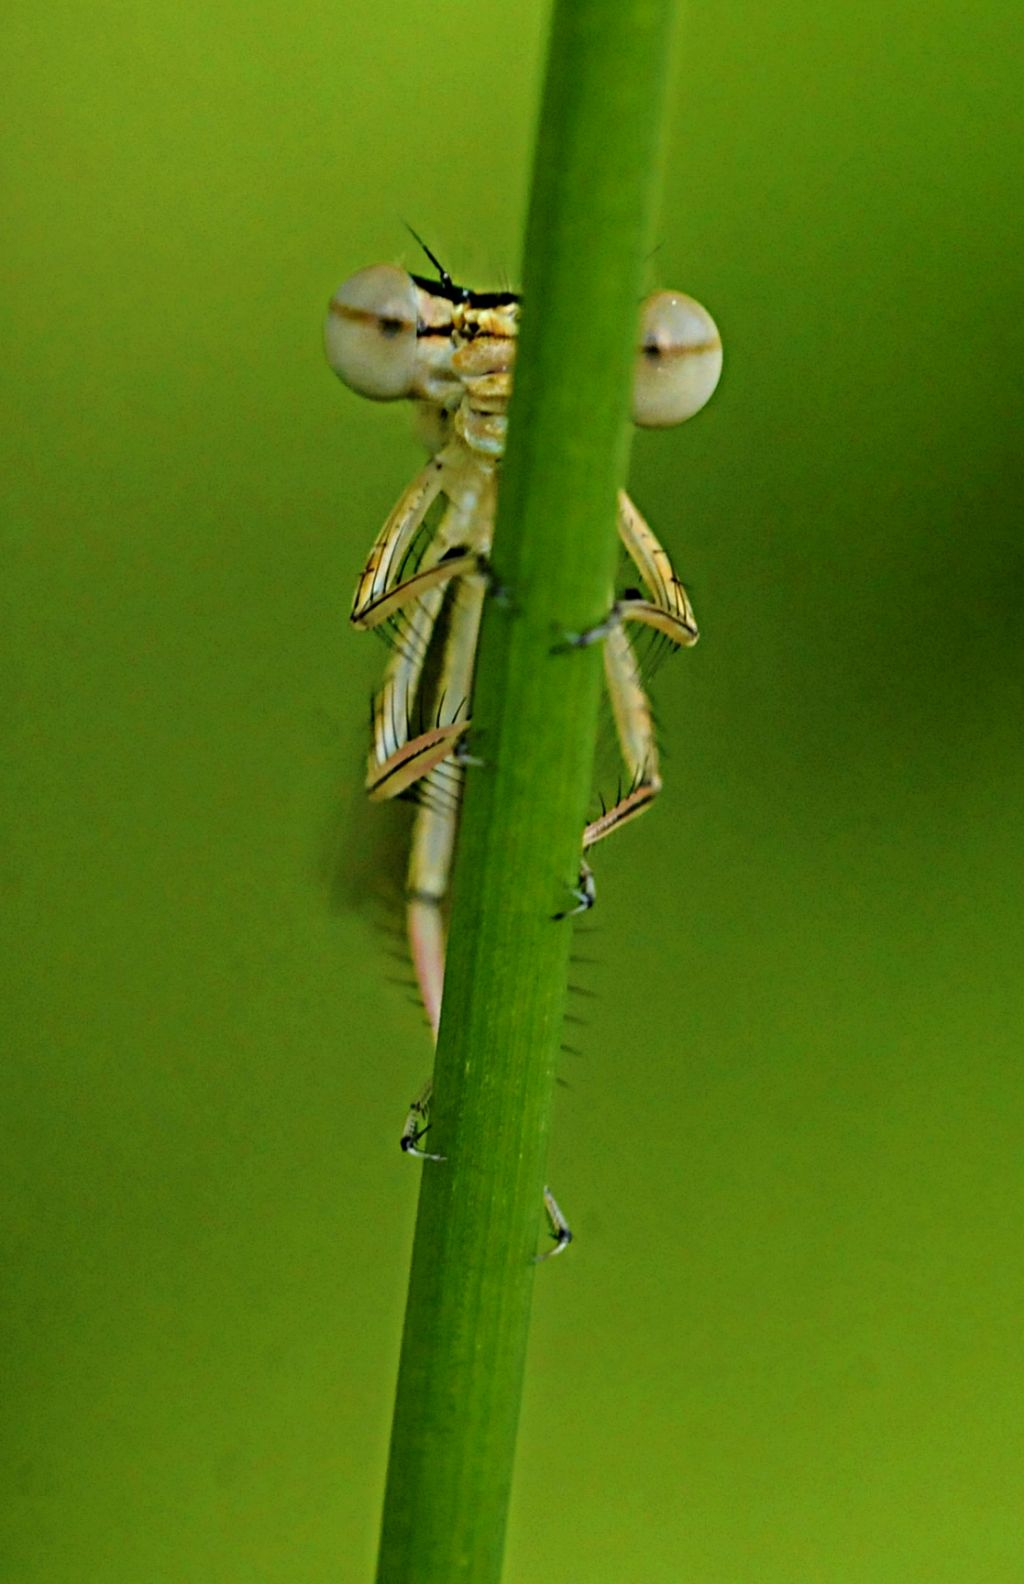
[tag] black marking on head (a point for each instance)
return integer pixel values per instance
(447, 289)
(503, 299)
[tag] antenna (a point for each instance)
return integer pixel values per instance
(443, 274)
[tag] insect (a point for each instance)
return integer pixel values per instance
(390, 335)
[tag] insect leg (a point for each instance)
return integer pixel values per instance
(560, 1229)
(433, 841)
(383, 569)
(397, 761)
(449, 473)
(433, 835)
(668, 610)
(416, 1125)
(635, 731)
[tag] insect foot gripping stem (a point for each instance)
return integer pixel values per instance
(591, 635)
(497, 589)
(416, 1126)
(584, 893)
(561, 1232)
(462, 756)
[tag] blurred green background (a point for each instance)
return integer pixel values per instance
(785, 1347)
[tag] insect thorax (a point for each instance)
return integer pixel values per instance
(483, 356)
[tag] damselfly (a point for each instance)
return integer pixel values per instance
(391, 335)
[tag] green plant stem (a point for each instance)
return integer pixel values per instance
(534, 724)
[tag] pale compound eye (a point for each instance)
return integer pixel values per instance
(370, 332)
(678, 363)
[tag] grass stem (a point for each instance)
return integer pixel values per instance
(596, 174)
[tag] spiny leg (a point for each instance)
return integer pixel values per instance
(383, 586)
(634, 728)
(411, 606)
(436, 822)
(397, 760)
(433, 836)
(668, 611)
(383, 569)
